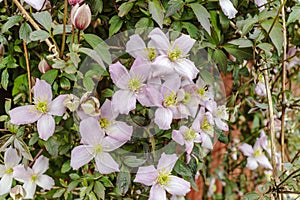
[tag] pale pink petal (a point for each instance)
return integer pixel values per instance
(106, 164)
(246, 149)
(107, 111)
(136, 46)
(140, 69)
(221, 124)
(206, 141)
(251, 163)
(36, 4)
(120, 131)
(42, 91)
(263, 161)
(186, 68)
(11, 158)
(45, 182)
(166, 162)
(30, 188)
(146, 175)
(91, 131)
(22, 174)
(24, 115)
(143, 97)
(199, 118)
(5, 184)
(163, 118)
(171, 85)
(41, 165)
(177, 186)
(189, 145)
(159, 40)
(111, 144)
(154, 96)
(184, 43)
(157, 193)
(119, 75)
(46, 126)
(123, 101)
(162, 66)
(56, 107)
(81, 155)
(2, 170)
(178, 137)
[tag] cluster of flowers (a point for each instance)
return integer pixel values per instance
(161, 78)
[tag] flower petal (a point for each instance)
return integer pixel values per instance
(154, 95)
(140, 69)
(246, 149)
(91, 131)
(171, 85)
(11, 158)
(206, 141)
(111, 144)
(178, 137)
(186, 68)
(263, 161)
(123, 101)
(56, 107)
(5, 184)
(221, 124)
(163, 118)
(106, 164)
(136, 46)
(146, 175)
(107, 111)
(228, 8)
(251, 163)
(81, 155)
(159, 40)
(120, 131)
(184, 43)
(21, 174)
(42, 91)
(30, 188)
(166, 162)
(46, 126)
(45, 182)
(41, 165)
(177, 186)
(162, 66)
(119, 75)
(157, 193)
(24, 115)
(36, 4)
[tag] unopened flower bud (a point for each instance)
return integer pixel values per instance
(71, 102)
(90, 105)
(44, 66)
(74, 2)
(81, 16)
(17, 192)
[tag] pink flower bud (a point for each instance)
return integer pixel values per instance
(44, 66)
(81, 16)
(74, 2)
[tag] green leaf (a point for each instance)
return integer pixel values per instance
(12, 21)
(191, 29)
(221, 136)
(59, 29)
(24, 32)
(157, 12)
(106, 182)
(50, 76)
(51, 146)
(251, 196)
(59, 192)
(182, 168)
(96, 6)
(44, 18)
(202, 15)
(93, 54)
(142, 23)
(115, 25)
(294, 15)
(207, 76)
(65, 83)
(242, 42)
(66, 167)
(39, 35)
(220, 58)
(99, 189)
(239, 53)
(20, 84)
(275, 34)
(73, 185)
(4, 79)
(7, 105)
(88, 83)
(125, 8)
(23, 148)
(123, 180)
(133, 161)
(174, 6)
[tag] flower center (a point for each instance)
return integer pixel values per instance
(9, 171)
(175, 54)
(151, 54)
(170, 100)
(205, 125)
(98, 149)
(34, 178)
(201, 92)
(134, 84)
(104, 123)
(42, 106)
(163, 178)
(258, 152)
(187, 98)
(190, 135)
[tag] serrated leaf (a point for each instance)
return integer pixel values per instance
(4, 79)
(174, 6)
(157, 12)
(99, 189)
(182, 168)
(44, 18)
(12, 21)
(275, 34)
(39, 35)
(24, 32)
(202, 15)
(115, 25)
(125, 8)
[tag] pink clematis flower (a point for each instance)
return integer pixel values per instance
(173, 55)
(95, 146)
(228, 8)
(42, 111)
(36, 4)
(11, 159)
(161, 180)
(33, 177)
(255, 156)
(131, 85)
(219, 113)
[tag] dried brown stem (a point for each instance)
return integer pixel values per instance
(28, 70)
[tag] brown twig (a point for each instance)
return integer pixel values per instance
(36, 157)
(28, 70)
(64, 29)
